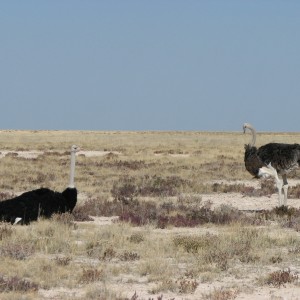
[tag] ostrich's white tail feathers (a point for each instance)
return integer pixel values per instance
(17, 220)
(267, 171)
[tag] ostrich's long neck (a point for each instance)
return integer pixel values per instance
(72, 172)
(253, 136)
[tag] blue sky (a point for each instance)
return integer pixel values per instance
(150, 65)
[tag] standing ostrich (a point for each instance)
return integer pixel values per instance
(270, 160)
(41, 202)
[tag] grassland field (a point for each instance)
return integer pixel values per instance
(160, 215)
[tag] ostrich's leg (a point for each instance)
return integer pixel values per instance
(285, 188)
(269, 170)
(279, 188)
(278, 184)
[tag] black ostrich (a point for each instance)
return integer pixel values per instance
(270, 160)
(41, 202)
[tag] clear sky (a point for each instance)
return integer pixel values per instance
(150, 64)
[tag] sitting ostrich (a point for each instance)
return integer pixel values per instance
(270, 160)
(41, 202)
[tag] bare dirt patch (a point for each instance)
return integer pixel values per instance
(245, 202)
(243, 286)
(32, 154)
(97, 153)
(24, 154)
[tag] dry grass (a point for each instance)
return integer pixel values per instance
(169, 244)
(149, 158)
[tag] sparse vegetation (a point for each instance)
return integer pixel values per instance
(168, 243)
(221, 294)
(281, 278)
(16, 284)
(90, 275)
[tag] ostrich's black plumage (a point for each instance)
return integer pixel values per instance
(41, 202)
(252, 162)
(283, 157)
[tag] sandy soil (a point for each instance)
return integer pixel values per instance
(128, 286)
(35, 153)
(248, 203)
(97, 153)
(288, 292)
(24, 154)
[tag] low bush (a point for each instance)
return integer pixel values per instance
(136, 238)
(6, 230)
(97, 207)
(90, 275)
(127, 189)
(5, 195)
(16, 284)
(221, 294)
(192, 244)
(62, 260)
(187, 286)
(189, 213)
(280, 278)
(129, 256)
(19, 250)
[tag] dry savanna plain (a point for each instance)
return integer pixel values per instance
(160, 215)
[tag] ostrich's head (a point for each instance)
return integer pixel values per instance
(246, 125)
(251, 128)
(75, 149)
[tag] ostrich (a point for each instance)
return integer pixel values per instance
(270, 160)
(29, 206)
